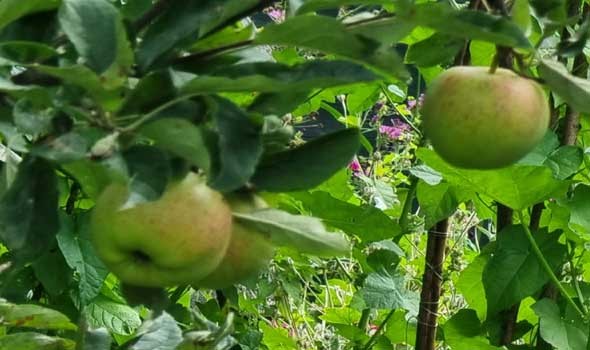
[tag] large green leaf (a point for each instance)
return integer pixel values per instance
(436, 202)
(517, 186)
(574, 90)
(91, 25)
(559, 331)
(514, 272)
(466, 24)
(328, 35)
(366, 222)
(309, 165)
(463, 331)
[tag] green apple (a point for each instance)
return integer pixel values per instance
(477, 119)
(178, 238)
(249, 251)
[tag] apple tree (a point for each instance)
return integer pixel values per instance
(294, 174)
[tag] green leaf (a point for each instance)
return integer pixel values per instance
(33, 316)
(309, 165)
(277, 338)
(180, 137)
(471, 286)
(463, 331)
(304, 233)
(91, 25)
(80, 256)
(436, 49)
(516, 186)
(328, 35)
(116, 317)
(561, 332)
(26, 51)
(53, 272)
(276, 77)
(34, 341)
(366, 222)
(86, 79)
(579, 211)
(11, 10)
(183, 21)
(161, 333)
(240, 146)
(575, 91)
(521, 15)
(31, 120)
(426, 174)
(436, 202)
(28, 210)
(466, 24)
(514, 272)
(35, 93)
(383, 290)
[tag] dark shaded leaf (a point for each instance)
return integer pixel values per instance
(186, 20)
(318, 159)
(275, 77)
(28, 210)
(240, 146)
(11, 10)
(514, 272)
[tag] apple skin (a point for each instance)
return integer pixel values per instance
(482, 120)
(176, 239)
(249, 252)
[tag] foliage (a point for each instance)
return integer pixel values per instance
(140, 91)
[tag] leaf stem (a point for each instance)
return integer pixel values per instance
(547, 267)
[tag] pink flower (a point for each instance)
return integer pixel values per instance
(276, 14)
(413, 103)
(355, 166)
(394, 131)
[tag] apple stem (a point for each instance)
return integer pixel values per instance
(495, 63)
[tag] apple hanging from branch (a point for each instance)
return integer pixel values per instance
(478, 119)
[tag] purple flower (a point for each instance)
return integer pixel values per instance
(394, 131)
